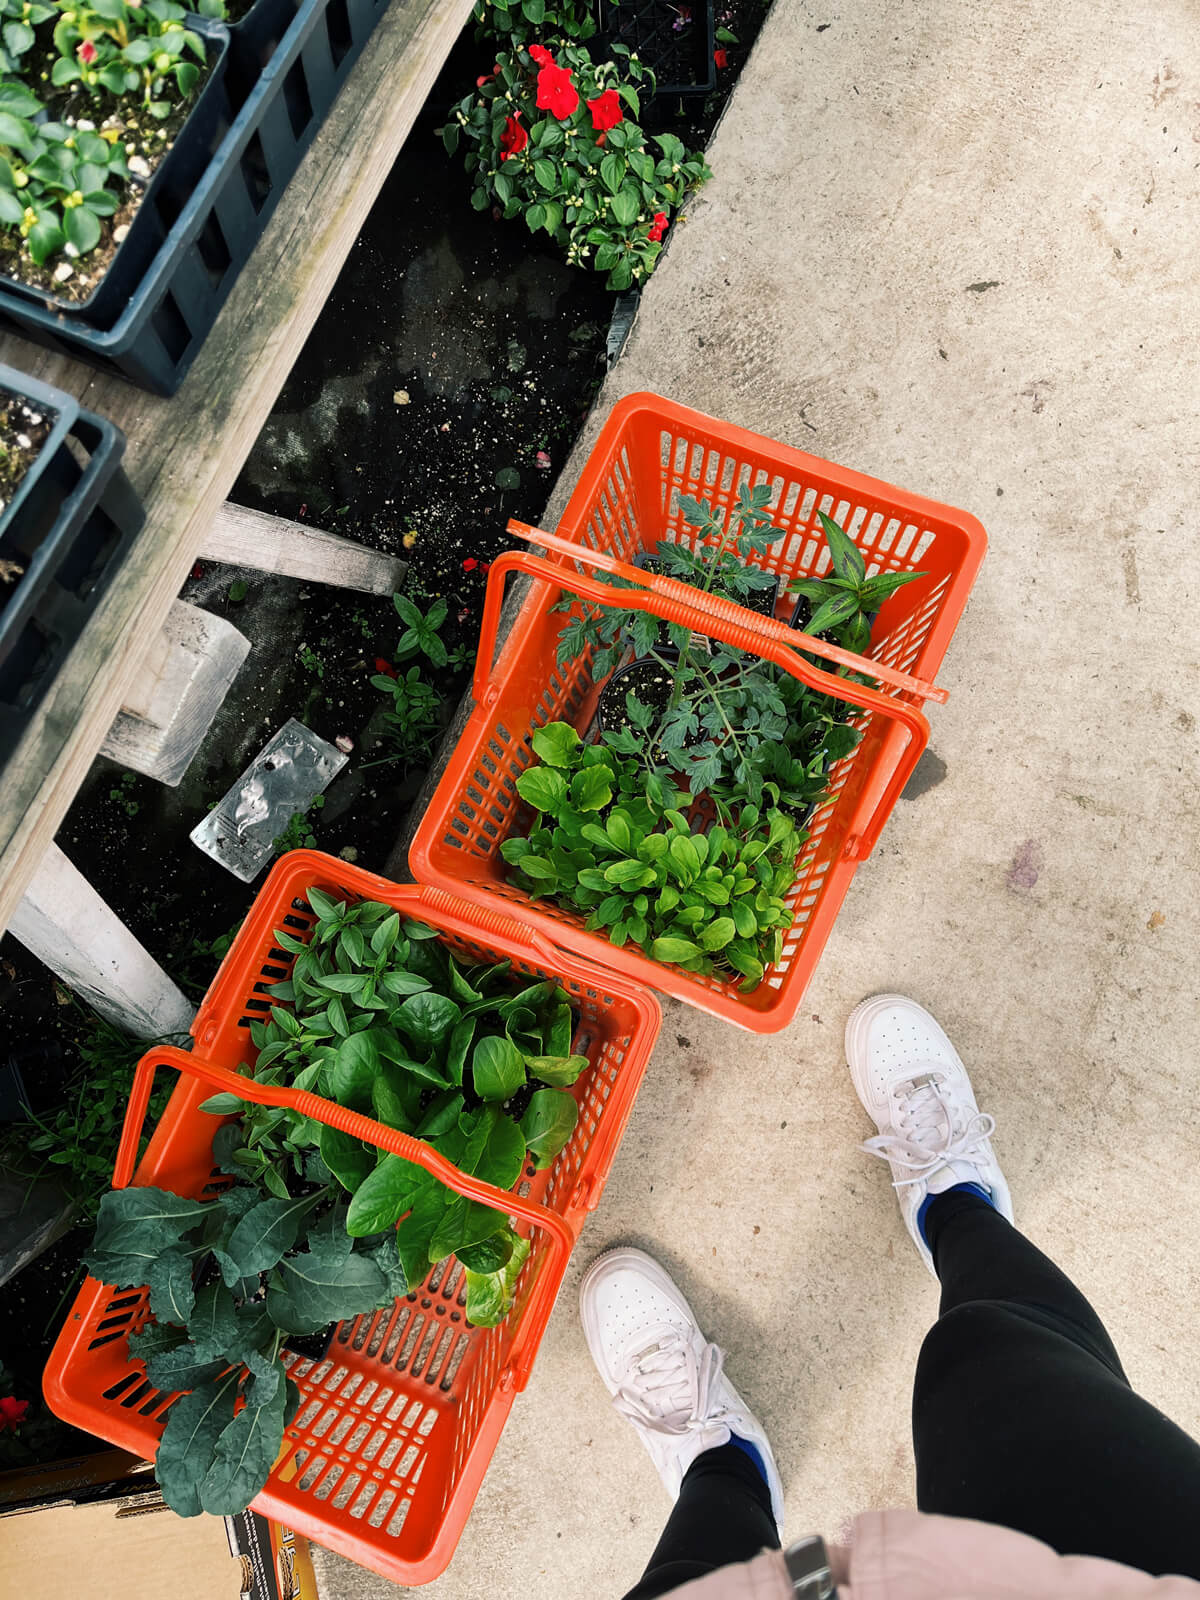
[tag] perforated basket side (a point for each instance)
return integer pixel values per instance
(398, 1421)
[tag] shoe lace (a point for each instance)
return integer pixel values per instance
(669, 1387)
(926, 1136)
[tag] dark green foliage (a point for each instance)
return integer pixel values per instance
(380, 1016)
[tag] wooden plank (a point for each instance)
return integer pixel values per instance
(245, 538)
(184, 453)
(65, 923)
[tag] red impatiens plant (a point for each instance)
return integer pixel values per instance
(552, 136)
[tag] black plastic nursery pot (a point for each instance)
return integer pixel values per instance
(68, 526)
(170, 311)
(674, 38)
(167, 193)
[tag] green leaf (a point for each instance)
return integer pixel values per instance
(244, 1455)
(464, 1223)
(264, 1234)
(548, 1123)
(546, 174)
(591, 789)
(612, 173)
(718, 934)
(169, 1278)
(670, 949)
(543, 789)
(835, 610)
(428, 1019)
(556, 744)
(141, 1222)
(185, 1367)
(847, 557)
(348, 1159)
(489, 1255)
(625, 207)
(882, 586)
(385, 1195)
(386, 934)
(490, 1295)
(82, 229)
(153, 1339)
(497, 1069)
(213, 1324)
(560, 1071)
(316, 1291)
(503, 1155)
(456, 1050)
(353, 1069)
(189, 1442)
(223, 1105)
(415, 1233)
(534, 217)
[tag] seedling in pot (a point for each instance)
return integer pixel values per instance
(732, 726)
(845, 605)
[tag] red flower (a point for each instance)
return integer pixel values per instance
(721, 58)
(606, 111)
(87, 52)
(541, 55)
(658, 227)
(470, 564)
(12, 1413)
(385, 667)
(514, 138)
(479, 82)
(485, 567)
(556, 92)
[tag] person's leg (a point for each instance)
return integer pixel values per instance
(723, 1515)
(668, 1381)
(1022, 1414)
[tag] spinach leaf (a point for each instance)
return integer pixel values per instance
(548, 1123)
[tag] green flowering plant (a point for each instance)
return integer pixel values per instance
(548, 138)
(57, 183)
(519, 20)
(121, 48)
(18, 19)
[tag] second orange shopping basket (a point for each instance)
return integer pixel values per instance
(399, 1419)
(649, 454)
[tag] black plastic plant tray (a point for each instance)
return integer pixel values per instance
(674, 38)
(69, 525)
(160, 332)
(197, 142)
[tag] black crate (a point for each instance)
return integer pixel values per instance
(196, 143)
(69, 525)
(159, 334)
(681, 59)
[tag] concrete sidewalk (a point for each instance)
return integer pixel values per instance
(956, 248)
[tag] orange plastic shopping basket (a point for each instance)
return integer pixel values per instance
(398, 1421)
(649, 453)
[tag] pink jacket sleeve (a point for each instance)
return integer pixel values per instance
(905, 1555)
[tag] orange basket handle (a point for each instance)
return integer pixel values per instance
(718, 606)
(732, 632)
(360, 1127)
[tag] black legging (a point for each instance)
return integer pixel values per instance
(1022, 1416)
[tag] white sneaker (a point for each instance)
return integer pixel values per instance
(911, 1082)
(662, 1373)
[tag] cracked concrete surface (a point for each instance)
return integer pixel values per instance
(957, 248)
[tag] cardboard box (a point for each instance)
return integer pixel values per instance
(136, 1548)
